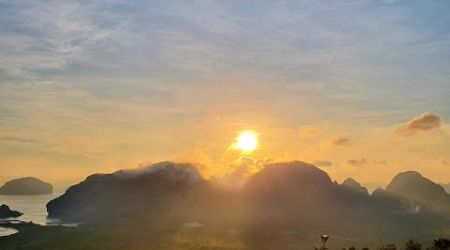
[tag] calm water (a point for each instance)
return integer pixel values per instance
(32, 207)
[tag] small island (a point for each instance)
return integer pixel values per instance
(26, 186)
(6, 212)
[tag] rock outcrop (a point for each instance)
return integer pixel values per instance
(6, 212)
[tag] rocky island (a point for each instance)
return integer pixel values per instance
(6, 212)
(26, 186)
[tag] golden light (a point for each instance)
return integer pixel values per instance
(247, 141)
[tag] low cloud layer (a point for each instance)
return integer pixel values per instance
(241, 171)
(323, 163)
(173, 171)
(14, 139)
(425, 122)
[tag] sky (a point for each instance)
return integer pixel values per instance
(359, 88)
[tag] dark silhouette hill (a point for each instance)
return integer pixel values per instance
(293, 195)
(354, 185)
(6, 212)
(289, 183)
(298, 193)
(289, 192)
(413, 186)
(159, 190)
(26, 186)
(393, 202)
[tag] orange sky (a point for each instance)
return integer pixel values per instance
(89, 87)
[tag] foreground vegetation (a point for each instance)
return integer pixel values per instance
(191, 237)
(438, 244)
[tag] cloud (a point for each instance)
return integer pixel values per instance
(14, 139)
(363, 161)
(340, 140)
(44, 38)
(171, 170)
(309, 131)
(323, 163)
(240, 172)
(357, 163)
(425, 122)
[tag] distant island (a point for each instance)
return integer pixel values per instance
(6, 212)
(26, 186)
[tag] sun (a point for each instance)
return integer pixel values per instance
(247, 141)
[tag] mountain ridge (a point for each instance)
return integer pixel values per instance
(289, 194)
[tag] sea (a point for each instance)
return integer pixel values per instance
(32, 207)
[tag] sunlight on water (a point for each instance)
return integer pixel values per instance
(7, 231)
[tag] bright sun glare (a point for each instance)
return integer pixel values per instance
(247, 141)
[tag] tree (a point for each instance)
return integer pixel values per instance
(441, 244)
(387, 247)
(413, 245)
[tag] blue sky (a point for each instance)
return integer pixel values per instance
(71, 71)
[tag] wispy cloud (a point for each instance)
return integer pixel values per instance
(340, 140)
(14, 139)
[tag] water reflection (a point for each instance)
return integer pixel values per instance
(5, 231)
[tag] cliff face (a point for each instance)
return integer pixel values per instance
(26, 186)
